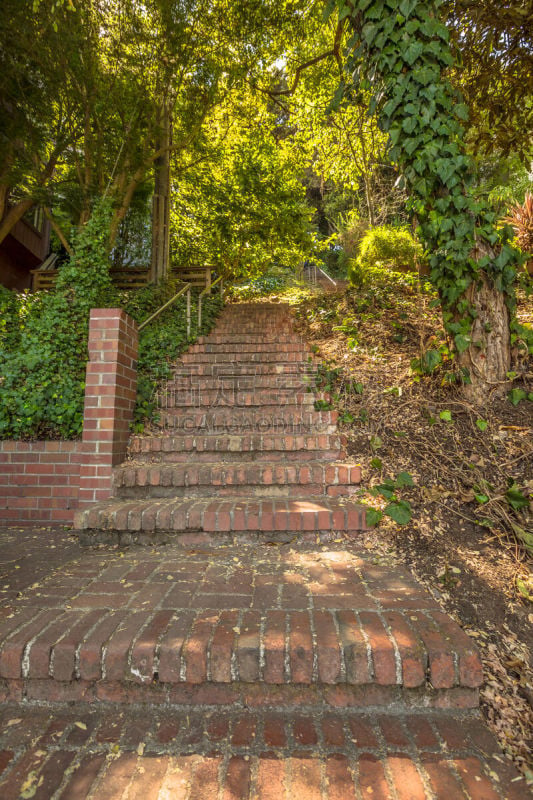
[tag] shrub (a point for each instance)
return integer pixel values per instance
(42, 361)
(277, 279)
(385, 247)
(352, 229)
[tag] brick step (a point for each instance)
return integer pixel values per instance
(258, 337)
(228, 382)
(303, 625)
(286, 419)
(252, 327)
(240, 357)
(239, 347)
(256, 445)
(226, 396)
(147, 517)
(132, 480)
(236, 323)
(320, 656)
(224, 369)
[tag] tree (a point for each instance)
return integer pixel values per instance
(242, 206)
(400, 52)
(494, 40)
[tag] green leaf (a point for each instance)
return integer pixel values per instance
(525, 589)
(481, 498)
(404, 479)
(413, 52)
(430, 360)
(462, 342)
(400, 512)
(516, 396)
(446, 416)
(525, 537)
(376, 463)
(386, 490)
(376, 442)
(515, 498)
(372, 516)
(482, 424)
(409, 124)
(461, 111)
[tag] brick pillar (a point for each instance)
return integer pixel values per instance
(110, 392)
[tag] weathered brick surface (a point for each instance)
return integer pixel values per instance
(241, 754)
(241, 615)
(109, 521)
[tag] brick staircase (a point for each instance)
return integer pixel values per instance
(228, 664)
(240, 449)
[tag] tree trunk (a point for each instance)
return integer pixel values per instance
(4, 195)
(161, 204)
(488, 359)
(57, 230)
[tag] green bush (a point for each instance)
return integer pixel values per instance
(277, 279)
(385, 247)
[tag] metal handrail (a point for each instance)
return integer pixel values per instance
(205, 291)
(325, 274)
(313, 270)
(186, 288)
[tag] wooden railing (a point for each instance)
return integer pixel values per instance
(129, 278)
(197, 276)
(123, 279)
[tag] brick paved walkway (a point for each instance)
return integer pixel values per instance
(214, 729)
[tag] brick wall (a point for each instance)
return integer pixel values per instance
(39, 481)
(44, 482)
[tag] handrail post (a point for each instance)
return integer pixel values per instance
(189, 313)
(199, 312)
(222, 288)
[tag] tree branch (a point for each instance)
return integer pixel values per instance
(333, 53)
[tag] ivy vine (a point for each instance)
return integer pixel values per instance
(399, 52)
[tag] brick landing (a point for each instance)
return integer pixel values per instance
(115, 616)
(235, 754)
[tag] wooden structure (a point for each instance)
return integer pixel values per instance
(131, 278)
(197, 276)
(46, 275)
(23, 249)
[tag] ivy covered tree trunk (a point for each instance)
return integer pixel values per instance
(487, 359)
(399, 52)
